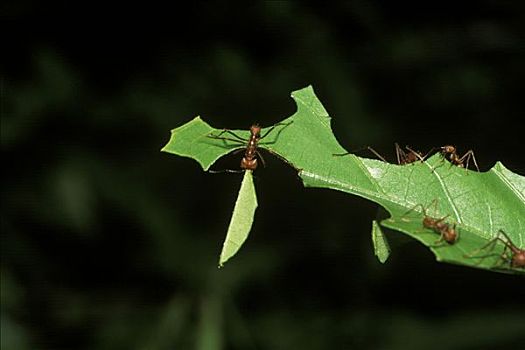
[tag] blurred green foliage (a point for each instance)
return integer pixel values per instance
(109, 244)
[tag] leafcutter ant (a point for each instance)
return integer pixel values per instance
(403, 156)
(251, 153)
(511, 254)
(449, 152)
(411, 156)
(446, 231)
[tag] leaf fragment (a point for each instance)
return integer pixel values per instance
(381, 246)
(242, 219)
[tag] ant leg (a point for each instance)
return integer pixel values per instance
(467, 156)
(238, 151)
(501, 232)
(225, 171)
(359, 150)
(417, 154)
(267, 132)
(400, 154)
(481, 257)
(510, 251)
(227, 131)
(491, 243)
(472, 255)
(284, 160)
(273, 127)
(414, 207)
(441, 219)
(466, 159)
(440, 242)
(228, 170)
(504, 258)
(424, 209)
(261, 158)
(433, 149)
(421, 158)
(376, 154)
(216, 137)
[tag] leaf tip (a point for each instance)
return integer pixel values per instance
(381, 246)
(165, 147)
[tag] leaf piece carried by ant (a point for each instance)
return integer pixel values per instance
(191, 140)
(198, 140)
(241, 220)
(381, 246)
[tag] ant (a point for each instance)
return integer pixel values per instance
(403, 157)
(408, 157)
(447, 232)
(510, 254)
(449, 152)
(249, 161)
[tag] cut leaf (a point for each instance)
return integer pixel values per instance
(381, 246)
(479, 204)
(195, 140)
(242, 219)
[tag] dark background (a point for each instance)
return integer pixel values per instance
(107, 243)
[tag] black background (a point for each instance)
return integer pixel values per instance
(108, 243)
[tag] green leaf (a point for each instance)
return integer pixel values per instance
(480, 204)
(195, 140)
(381, 246)
(192, 140)
(242, 219)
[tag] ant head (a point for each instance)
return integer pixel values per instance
(255, 129)
(450, 235)
(429, 222)
(518, 260)
(448, 149)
